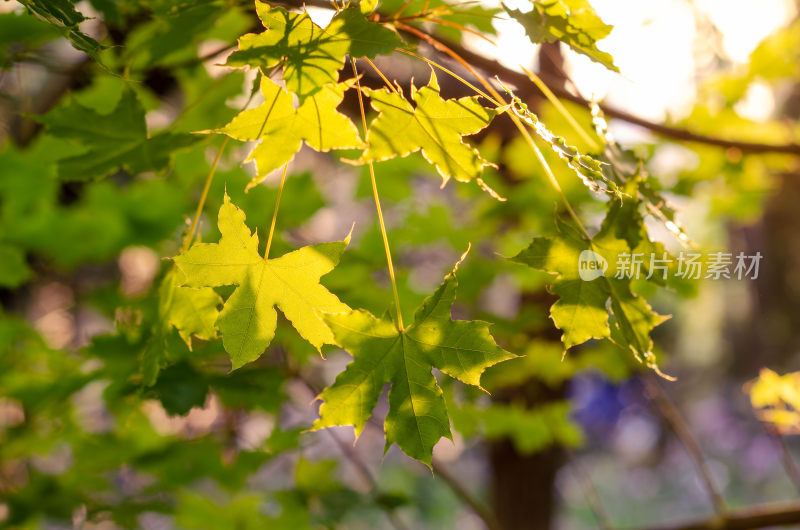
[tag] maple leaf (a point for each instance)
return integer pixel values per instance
(625, 165)
(776, 399)
(62, 15)
(190, 311)
(281, 129)
(291, 282)
(580, 311)
(311, 55)
(434, 126)
(14, 269)
(113, 140)
(593, 308)
(573, 22)
(417, 416)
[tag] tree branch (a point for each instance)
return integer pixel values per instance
(776, 514)
(592, 496)
(683, 433)
(466, 497)
(790, 466)
(526, 88)
(519, 79)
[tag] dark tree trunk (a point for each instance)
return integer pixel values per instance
(522, 486)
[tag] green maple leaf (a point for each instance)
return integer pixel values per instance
(625, 166)
(117, 139)
(311, 55)
(190, 311)
(291, 282)
(434, 126)
(625, 218)
(63, 15)
(417, 416)
(580, 311)
(281, 129)
(14, 270)
(193, 312)
(603, 307)
(573, 22)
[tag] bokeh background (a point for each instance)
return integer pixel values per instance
(83, 444)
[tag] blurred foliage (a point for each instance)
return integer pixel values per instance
(117, 397)
(776, 399)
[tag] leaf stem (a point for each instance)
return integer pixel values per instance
(550, 176)
(452, 74)
(789, 465)
(275, 212)
(591, 493)
(389, 85)
(381, 223)
(498, 100)
(187, 241)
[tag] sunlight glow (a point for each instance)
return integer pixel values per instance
(661, 47)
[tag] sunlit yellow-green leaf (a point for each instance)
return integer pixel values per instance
(281, 129)
(417, 416)
(573, 22)
(776, 399)
(594, 301)
(311, 56)
(432, 125)
(291, 283)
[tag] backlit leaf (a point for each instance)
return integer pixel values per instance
(417, 416)
(63, 15)
(311, 56)
(191, 311)
(281, 129)
(594, 301)
(432, 125)
(291, 282)
(573, 22)
(114, 140)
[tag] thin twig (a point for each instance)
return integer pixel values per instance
(763, 516)
(789, 463)
(187, 242)
(366, 474)
(466, 497)
(684, 434)
(354, 459)
(521, 80)
(591, 492)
